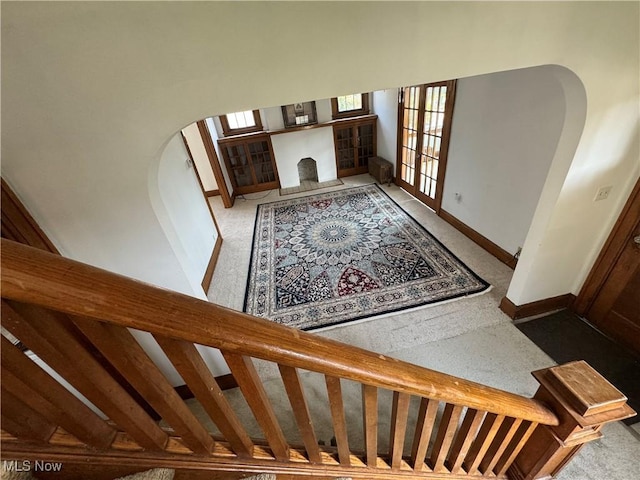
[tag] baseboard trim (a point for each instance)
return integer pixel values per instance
(208, 274)
(498, 252)
(225, 382)
(539, 307)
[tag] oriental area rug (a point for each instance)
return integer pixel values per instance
(341, 256)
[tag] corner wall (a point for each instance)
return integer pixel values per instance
(187, 214)
(385, 105)
(200, 157)
(504, 136)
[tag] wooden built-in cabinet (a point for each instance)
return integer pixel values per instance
(355, 143)
(250, 163)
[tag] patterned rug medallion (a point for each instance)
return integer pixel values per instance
(340, 256)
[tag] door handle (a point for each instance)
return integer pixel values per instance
(636, 240)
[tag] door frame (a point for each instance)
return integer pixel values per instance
(620, 234)
(227, 199)
(414, 190)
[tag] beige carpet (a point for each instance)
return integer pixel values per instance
(470, 338)
(154, 474)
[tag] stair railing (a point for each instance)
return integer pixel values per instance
(63, 310)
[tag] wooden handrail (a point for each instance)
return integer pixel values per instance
(37, 277)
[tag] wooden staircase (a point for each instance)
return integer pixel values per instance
(69, 314)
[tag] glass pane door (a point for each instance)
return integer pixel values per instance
(434, 110)
(250, 163)
(239, 165)
(409, 132)
(424, 125)
(366, 144)
(344, 148)
(261, 162)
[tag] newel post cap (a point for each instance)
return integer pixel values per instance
(583, 400)
(583, 393)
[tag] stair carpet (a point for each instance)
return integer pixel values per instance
(153, 474)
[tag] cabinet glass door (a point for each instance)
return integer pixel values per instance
(355, 144)
(261, 162)
(239, 165)
(345, 153)
(366, 146)
(250, 163)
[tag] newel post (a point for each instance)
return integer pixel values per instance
(584, 401)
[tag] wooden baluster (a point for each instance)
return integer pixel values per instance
(464, 439)
(22, 421)
(245, 374)
(38, 390)
(198, 377)
(43, 332)
(584, 401)
(399, 415)
(293, 386)
(446, 432)
(524, 432)
(424, 428)
(31, 275)
(370, 424)
(21, 431)
(505, 434)
(125, 353)
(336, 404)
(482, 442)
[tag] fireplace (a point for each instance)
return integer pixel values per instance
(307, 170)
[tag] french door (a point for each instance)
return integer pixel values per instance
(424, 127)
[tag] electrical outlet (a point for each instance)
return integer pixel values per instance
(603, 193)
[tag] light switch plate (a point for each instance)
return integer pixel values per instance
(603, 193)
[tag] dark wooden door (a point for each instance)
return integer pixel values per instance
(611, 296)
(355, 144)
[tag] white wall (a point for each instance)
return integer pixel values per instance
(186, 208)
(289, 148)
(103, 86)
(504, 135)
(385, 105)
(200, 157)
(272, 118)
(190, 225)
(323, 110)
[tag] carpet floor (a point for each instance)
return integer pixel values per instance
(470, 338)
(340, 256)
(565, 337)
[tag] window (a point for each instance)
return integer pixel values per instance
(350, 105)
(241, 122)
(299, 114)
